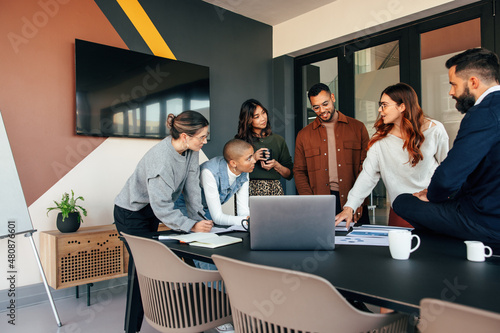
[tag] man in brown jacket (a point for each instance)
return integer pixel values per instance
(329, 152)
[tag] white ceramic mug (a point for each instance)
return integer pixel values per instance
(476, 251)
(400, 244)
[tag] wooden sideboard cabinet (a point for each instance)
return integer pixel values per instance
(88, 255)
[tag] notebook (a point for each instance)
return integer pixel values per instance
(292, 222)
(203, 239)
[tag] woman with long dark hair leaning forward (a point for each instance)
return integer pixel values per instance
(166, 170)
(405, 150)
(254, 127)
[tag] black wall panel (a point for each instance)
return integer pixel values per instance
(238, 51)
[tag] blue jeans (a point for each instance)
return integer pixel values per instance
(445, 218)
(204, 265)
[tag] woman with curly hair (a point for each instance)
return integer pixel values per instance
(405, 150)
(254, 128)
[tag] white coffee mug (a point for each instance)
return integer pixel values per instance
(400, 244)
(476, 251)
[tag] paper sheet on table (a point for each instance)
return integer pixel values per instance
(341, 226)
(363, 240)
(203, 239)
(380, 226)
(217, 242)
(188, 238)
(218, 230)
(237, 227)
(374, 230)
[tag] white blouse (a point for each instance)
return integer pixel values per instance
(387, 159)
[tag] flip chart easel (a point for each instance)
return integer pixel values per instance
(14, 215)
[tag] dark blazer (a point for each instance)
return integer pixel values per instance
(471, 171)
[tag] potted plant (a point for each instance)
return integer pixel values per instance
(69, 218)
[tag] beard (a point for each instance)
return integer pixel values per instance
(330, 113)
(329, 118)
(465, 101)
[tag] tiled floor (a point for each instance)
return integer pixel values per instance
(105, 314)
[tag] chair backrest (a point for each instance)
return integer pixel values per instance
(267, 299)
(440, 316)
(177, 297)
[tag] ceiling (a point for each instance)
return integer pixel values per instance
(271, 12)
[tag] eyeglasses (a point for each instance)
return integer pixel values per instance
(200, 138)
(317, 108)
(384, 105)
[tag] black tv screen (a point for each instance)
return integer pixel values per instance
(129, 94)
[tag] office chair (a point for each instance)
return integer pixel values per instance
(440, 316)
(267, 299)
(177, 297)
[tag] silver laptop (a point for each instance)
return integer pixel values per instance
(292, 222)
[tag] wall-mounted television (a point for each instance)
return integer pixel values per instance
(125, 93)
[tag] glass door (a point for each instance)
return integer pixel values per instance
(375, 68)
(326, 72)
(436, 48)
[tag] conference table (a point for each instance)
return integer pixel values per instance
(437, 269)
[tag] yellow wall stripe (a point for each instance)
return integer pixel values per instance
(146, 28)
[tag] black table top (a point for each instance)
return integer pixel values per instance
(437, 269)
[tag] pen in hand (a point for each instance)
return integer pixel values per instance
(202, 216)
(204, 225)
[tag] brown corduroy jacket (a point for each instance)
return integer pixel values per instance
(311, 156)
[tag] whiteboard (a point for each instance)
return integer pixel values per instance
(13, 208)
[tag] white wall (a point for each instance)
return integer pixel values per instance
(343, 20)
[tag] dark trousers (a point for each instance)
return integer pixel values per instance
(365, 219)
(134, 223)
(445, 218)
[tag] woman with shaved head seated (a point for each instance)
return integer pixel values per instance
(224, 176)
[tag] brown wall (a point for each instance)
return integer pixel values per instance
(441, 41)
(37, 97)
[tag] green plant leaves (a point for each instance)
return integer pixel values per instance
(68, 205)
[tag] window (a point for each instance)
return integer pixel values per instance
(375, 68)
(134, 121)
(320, 72)
(436, 48)
(152, 119)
